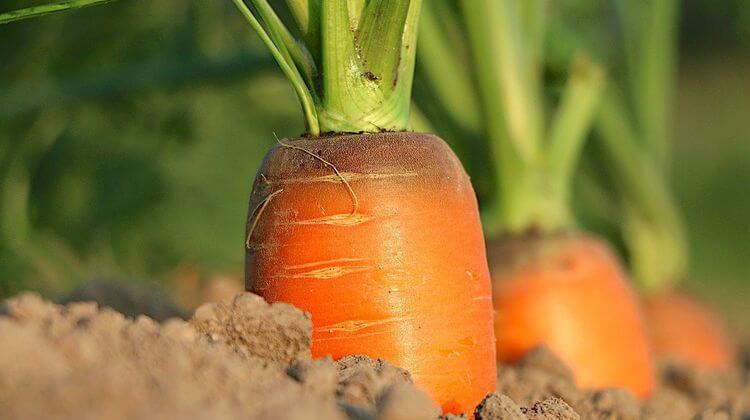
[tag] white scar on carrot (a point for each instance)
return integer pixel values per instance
(348, 176)
(360, 324)
(329, 272)
(326, 262)
(336, 220)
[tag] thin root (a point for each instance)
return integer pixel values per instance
(257, 211)
(355, 200)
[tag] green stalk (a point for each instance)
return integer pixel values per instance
(572, 122)
(355, 74)
(654, 94)
(653, 229)
(47, 9)
(284, 60)
(507, 162)
(638, 147)
(448, 77)
(534, 164)
(499, 21)
(649, 36)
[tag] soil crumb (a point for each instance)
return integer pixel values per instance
(245, 358)
(280, 333)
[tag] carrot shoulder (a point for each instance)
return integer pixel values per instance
(378, 237)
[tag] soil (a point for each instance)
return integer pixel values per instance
(244, 358)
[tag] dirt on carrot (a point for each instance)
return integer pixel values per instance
(244, 358)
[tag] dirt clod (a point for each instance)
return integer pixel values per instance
(318, 376)
(550, 409)
(537, 377)
(609, 404)
(362, 380)
(279, 332)
(498, 407)
(402, 401)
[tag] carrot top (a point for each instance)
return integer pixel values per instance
(534, 151)
(351, 62)
(633, 127)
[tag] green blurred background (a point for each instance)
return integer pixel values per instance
(130, 135)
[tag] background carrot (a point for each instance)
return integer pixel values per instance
(376, 235)
(552, 285)
(685, 330)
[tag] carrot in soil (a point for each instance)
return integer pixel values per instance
(547, 288)
(552, 284)
(373, 230)
(633, 134)
(699, 340)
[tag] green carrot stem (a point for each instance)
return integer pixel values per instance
(47, 9)
(441, 64)
(534, 164)
(649, 34)
(499, 23)
(284, 60)
(572, 122)
(355, 73)
(654, 90)
(653, 227)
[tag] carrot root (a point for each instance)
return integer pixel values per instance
(402, 277)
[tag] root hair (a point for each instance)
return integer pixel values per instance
(355, 200)
(257, 212)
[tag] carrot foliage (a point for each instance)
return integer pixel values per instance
(350, 62)
(47, 9)
(633, 130)
(534, 144)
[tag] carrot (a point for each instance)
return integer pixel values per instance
(398, 274)
(552, 291)
(553, 285)
(372, 230)
(685, 330)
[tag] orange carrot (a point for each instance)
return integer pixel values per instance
(378, 237)
(683, 329)
(570, 294)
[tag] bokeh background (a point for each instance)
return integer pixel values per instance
(130, 134)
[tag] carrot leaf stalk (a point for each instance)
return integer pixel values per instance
(534, 159)
(649, 36)
(352, 69)
(633, 130)
(47, 9)
(652, 225)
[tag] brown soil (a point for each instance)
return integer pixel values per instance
(244, 358)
